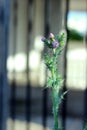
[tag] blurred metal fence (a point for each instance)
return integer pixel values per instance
(4, 90)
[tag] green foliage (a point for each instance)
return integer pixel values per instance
(55, 44)
(61, 38)
(59, 129)
(49, 82)
(48, 61)
(74, 35)
(85, 126)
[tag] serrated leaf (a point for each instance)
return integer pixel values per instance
(59, 129)
(63, 94)
(49, 82)
(85, 126)
(62, 38)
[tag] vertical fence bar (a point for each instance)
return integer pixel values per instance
(4, 31)
(45, 92)
(1, 82)
(64, 105)
(1, 99)
(1, 73)
(13, 84)
(85, 93)
(13, 103)
(45, 107)
(28, 87)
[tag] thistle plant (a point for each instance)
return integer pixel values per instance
(55, 45)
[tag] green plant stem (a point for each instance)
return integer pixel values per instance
(55, 92)
(55, 108)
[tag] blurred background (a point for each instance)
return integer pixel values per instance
(24, 103)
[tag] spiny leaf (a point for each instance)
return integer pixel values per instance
(49, 82)
(85, 126)
(62, 38)
(63, 94)
(59, 129)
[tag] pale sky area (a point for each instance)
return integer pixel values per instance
(77, 20)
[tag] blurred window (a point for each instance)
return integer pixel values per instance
(76, 66)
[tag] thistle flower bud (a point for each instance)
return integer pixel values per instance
(51, 36)
(55, 44)
(43, 39)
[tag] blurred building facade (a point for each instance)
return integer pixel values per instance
(29, 21)
(27, 26)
